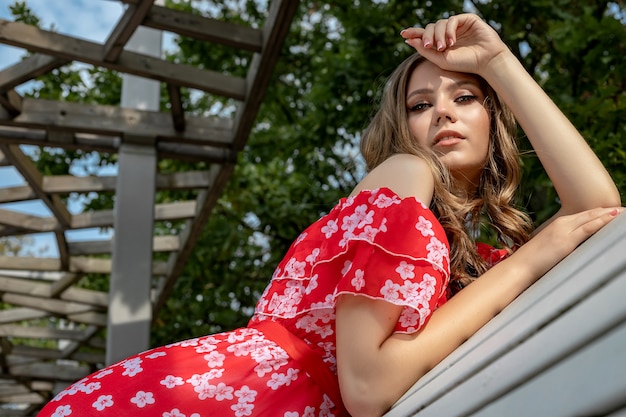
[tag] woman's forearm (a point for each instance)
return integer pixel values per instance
(579, 177)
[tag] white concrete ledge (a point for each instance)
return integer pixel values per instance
(558, 350)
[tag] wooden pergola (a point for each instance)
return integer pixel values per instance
(51, 328)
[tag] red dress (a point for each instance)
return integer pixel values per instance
(373, 244)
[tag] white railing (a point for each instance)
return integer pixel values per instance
(558, 350)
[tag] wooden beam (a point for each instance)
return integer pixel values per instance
(176, 107)
(66, 47)
(204, 28)
(18, 314)
(117, 121)
(11, 101)
(65, 184)
(262, 67)
(28, 222)
(33, 177)
(126, 26)
(28, 69)
(19, 193)
(50, 371)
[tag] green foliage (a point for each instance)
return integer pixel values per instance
(300, 158)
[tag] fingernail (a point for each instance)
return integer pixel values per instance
(439, 45)
(450, 42)
(426, 43)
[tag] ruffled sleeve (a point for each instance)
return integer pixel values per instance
(374, 244)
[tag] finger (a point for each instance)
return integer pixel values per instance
(597, 219)
(428, 35)
(412, 32)
(451, 28)
(440, 39)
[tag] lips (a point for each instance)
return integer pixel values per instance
(447, 137)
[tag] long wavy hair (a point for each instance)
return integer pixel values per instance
(460, 214)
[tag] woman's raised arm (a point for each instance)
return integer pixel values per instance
(466, 43)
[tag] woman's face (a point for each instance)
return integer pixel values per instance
(446, 113)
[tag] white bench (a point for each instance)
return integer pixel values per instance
(558, 350)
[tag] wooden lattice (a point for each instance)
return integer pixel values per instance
(37, 291)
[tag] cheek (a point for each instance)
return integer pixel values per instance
(419, 128)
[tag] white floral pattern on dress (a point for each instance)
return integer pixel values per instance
(373, 244)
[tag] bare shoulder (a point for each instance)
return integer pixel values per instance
(404, 174)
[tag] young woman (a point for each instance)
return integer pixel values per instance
(374, 294)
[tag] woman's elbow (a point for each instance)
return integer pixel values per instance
(362, 398)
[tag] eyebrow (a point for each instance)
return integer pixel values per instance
(453, 86)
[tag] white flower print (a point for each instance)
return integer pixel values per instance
(368, 234)
(306, 322)
(141, 399)
(132, 367)
(346, 267)
(390, 291)
(214, 359)
(358, 281)
(427, 285)
(424, 226)
(294, 269)
(171, 381)
(103, 402)
(278, 380)
(300, 238)
(437, 251)
(223, 392)
(382, 201)
(103, 373)
(89, 388)
(411, 293)
(406, 270)
(330, 228)
(291, 414)
(62, 411)
(313, 256)
(409, 318)
(174, 413)
(242, 409)
(215, 373)
(309, 412)
(245, 394)
(236, 336)
(197, 379)
(155, 355)
(205, 390)
(346, 237)
(312, 285)
(287, 303)
(244, 348)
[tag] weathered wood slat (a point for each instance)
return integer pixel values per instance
(204, 28)
(27, 69)
(126, 26)
(116, 121)
(29, 37)
(19, 193)
(50, 371)
(20, 314)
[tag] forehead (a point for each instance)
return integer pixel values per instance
(429, 75)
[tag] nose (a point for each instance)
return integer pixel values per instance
(444, 112)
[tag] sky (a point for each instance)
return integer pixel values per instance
(92, 20)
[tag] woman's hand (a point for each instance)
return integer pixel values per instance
(463, 43)
(559, 238)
